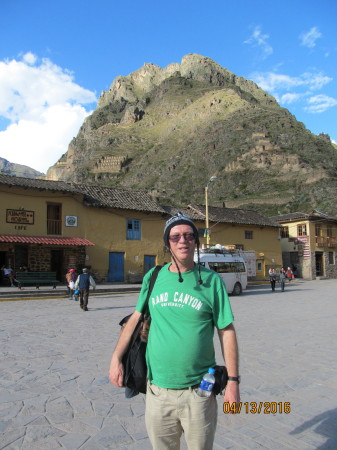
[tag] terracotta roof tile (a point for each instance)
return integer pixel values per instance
(231, 215)
(44, 240)
(136, 200)
(224, 215)
(35, 183)
(100, 196)
(313, 215)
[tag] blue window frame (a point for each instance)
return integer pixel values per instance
(133, 229)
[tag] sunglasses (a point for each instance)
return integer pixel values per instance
(189, 237)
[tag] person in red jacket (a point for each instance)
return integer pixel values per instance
(289, 274)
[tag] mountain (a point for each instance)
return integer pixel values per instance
(18, 170)
(169, 130)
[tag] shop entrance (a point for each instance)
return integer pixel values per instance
(2, 263)
(319, 264)
(56, 264)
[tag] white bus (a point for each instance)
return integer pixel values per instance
(230, 266)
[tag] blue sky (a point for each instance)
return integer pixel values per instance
(56, 57)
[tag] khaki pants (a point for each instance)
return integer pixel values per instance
(170, 412)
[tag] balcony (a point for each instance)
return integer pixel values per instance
(320, 241)
(54, 226)
(331, 241)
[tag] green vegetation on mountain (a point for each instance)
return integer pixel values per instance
(169, 130)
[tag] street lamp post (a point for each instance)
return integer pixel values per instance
(206, 204)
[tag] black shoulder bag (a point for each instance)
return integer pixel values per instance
(134, 363)
(221, 378)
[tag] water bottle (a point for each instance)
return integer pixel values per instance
(207, 383)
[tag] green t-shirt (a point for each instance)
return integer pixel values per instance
(180, 346)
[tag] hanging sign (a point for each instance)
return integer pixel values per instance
(19, 216)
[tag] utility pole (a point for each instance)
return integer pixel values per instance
(213, 178)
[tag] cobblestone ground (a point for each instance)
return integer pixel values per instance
(55, 394)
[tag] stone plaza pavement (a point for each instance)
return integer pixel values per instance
(55, 394)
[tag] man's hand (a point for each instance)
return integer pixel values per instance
(116, 372)
(230, 352)
(232, 394)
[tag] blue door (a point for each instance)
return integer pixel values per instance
(149, 262)
(116, 266)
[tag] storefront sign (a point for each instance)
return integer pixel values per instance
(303, 246)
(71, 221)
(19, 216)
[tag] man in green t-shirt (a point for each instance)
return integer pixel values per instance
(186, 303)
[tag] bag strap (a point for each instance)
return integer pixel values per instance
(153, 279)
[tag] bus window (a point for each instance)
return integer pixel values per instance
(222, 267)
(238, 267)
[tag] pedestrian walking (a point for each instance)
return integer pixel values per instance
(282, 279)
(83, 283)
(186, 303)
(71, 278)
(272, 278)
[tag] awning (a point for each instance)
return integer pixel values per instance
(44, 240)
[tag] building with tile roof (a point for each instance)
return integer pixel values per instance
(53, 225)
(309, 243)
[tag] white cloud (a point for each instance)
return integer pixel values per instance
(39, 144)
(257, 39)
(287, 99)
(320, 103)
(315, 81)
(45, 108)
(29, 58)
(291, 90)
(309, 39)
(272, 82)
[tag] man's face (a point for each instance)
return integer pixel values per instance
(184, 248)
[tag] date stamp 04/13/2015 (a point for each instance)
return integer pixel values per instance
(257, 408)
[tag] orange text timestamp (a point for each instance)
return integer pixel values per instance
(257, 408)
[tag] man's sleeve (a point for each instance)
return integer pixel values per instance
(77, 282)
(144, 291)
(222, 311)
(92, 282)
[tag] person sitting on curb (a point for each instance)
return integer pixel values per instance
(9, 274)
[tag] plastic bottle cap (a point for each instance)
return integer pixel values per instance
(211, 370)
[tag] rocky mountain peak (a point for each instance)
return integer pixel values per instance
(138, 84)
(163, 128)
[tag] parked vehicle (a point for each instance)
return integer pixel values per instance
(229, 265)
